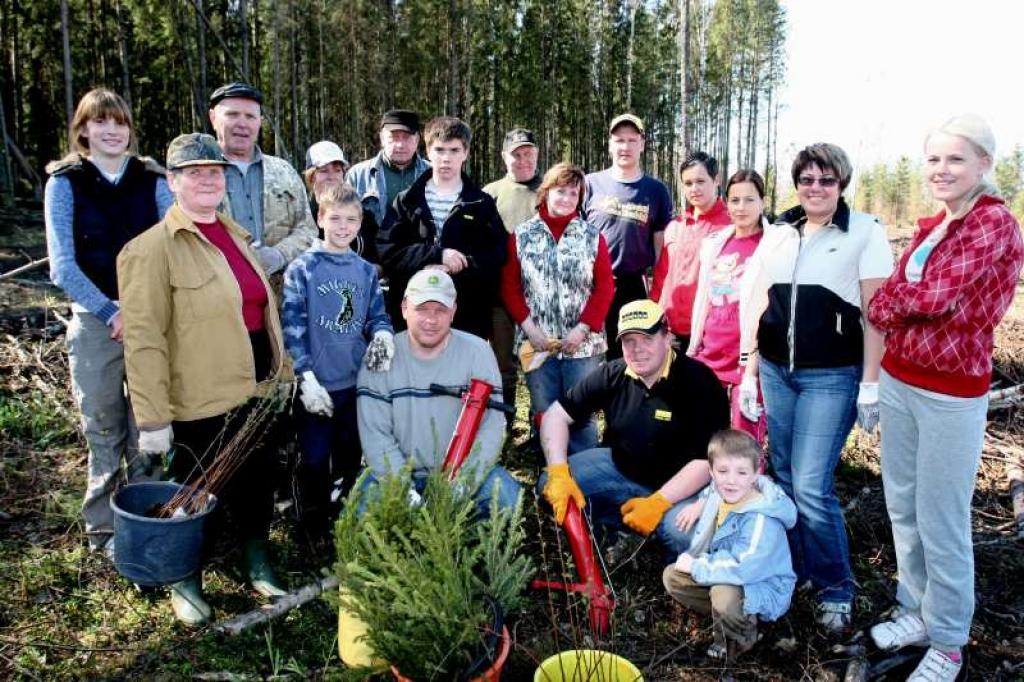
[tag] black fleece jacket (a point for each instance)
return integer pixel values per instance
(408, 241)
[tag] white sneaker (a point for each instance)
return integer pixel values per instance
(904, 629)
(935, 667)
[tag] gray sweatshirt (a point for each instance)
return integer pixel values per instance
(399, 418)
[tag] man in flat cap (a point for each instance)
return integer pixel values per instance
(380, 179)
(264, 193)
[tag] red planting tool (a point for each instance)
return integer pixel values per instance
(475, 400)
(591, 584)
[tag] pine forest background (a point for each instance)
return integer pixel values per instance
(329, 68)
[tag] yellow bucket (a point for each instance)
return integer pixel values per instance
(587, 665)
(352, 646)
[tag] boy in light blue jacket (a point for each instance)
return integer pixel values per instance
(333, 315)
(738, 567)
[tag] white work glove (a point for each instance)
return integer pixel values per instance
(315, 397)
(867, 405)
(380, 351)
(415, 499)
(749, 407)
(157, 441)
(270, 258)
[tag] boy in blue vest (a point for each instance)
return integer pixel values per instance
(738, 567)
(333, 317)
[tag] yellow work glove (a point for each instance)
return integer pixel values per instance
(643, 514)
(559, 488)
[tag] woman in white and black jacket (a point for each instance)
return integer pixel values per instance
(805, 333)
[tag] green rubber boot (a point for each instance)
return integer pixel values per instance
(258, 571)
(187, 601)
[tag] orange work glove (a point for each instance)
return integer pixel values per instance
(559, 488)
(643, 514)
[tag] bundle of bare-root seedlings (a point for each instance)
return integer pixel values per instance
(193, 496)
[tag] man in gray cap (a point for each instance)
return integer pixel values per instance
(516, 197)
(379, 179)
(265, 194)
(402, 420)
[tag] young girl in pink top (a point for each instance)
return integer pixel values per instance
(715, 325)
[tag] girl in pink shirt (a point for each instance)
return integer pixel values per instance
(715, 324)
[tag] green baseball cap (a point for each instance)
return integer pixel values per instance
(194, 149)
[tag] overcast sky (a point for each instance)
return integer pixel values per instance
(874, 75)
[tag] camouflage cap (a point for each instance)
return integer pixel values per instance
(194, 149)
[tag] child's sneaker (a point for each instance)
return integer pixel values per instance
(835, 616)
(937, 666)
(904, 629)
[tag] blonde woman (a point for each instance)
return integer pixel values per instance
(953, 285)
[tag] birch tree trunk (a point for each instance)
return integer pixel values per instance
(122, 44)
(201, 46)
(69, 95)
(243, 19)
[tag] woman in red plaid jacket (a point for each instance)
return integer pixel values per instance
(953, 285)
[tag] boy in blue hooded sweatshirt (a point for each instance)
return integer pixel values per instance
(333, 316)
(738, 567)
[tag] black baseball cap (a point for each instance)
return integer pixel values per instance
(402, 119)
(236, 89)
(518, 137)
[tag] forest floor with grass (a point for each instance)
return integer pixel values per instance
(66, 614)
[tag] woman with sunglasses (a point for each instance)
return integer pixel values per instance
(953, 285)
(805, 333)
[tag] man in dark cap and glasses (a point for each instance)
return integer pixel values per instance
(380, 179)
(264, 193)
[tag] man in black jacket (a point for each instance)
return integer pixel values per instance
(445, 221)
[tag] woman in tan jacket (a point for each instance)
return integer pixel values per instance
(203, 345)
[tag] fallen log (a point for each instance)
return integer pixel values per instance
(278, 607)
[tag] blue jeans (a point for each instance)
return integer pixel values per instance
(810, 414)
(328, 450)
(606, 489)
(499, 482)
(551, 381)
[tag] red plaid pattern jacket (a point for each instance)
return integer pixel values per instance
(939, 331)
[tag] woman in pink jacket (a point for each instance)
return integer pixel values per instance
(953, 285)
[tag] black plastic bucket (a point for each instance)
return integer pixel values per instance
(155, 551)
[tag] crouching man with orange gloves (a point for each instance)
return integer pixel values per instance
(661, 408)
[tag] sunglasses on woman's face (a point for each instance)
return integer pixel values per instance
(824, 181)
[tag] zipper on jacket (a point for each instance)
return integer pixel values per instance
(791, 332)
